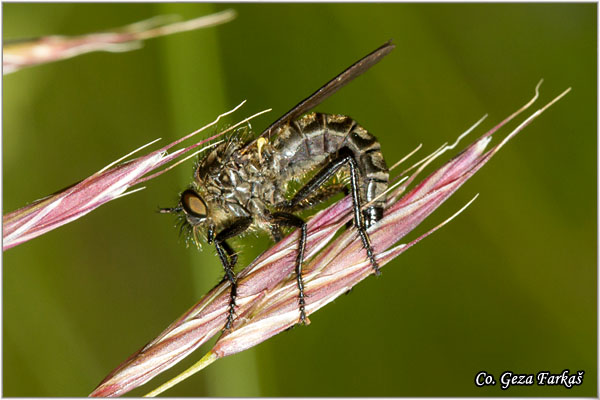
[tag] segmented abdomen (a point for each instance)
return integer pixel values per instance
(316, 138)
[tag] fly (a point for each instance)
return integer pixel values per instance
(243, 185)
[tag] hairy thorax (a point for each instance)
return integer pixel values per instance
(240, 183)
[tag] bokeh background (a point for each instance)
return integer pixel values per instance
(509, 285)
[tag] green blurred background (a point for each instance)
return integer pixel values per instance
(509, 285)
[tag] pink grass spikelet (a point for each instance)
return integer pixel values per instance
(22, 54)
(267, 301)
(108, 184)
(46, 214)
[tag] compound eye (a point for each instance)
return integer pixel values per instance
(193, 204)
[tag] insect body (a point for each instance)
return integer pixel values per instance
(243, 185)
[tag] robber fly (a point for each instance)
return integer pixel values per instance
(242, 185)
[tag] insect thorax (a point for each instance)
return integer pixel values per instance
(237, 182)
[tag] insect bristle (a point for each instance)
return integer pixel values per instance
(186, 231)
(239, 135)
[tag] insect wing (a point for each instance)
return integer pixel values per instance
(331, 87)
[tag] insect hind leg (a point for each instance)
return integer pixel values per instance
(361, 221)
(372, 215)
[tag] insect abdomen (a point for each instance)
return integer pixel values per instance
(314, 138)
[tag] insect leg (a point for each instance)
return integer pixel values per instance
(324, 195)
(318, 197)
(291, 220)
(229, 258)
(275, 230)
(276, 233)
(345, 156)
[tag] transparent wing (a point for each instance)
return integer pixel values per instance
(330, 87)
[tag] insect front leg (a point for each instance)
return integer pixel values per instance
(228, 258)
(345, 156)
(291, 220)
